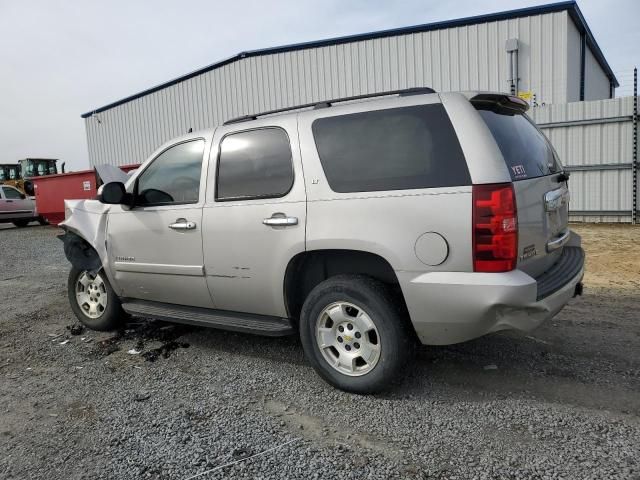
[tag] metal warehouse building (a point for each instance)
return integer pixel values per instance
(546, 54)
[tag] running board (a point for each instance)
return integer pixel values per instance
(205, 317)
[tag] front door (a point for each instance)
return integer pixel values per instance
(15, 204)
(254, 219)
(155, 248)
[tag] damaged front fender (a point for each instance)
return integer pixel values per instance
(85, 227)
(79, 253)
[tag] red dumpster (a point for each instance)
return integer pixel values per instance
(52, 190)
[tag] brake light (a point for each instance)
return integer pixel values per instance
(495, 228)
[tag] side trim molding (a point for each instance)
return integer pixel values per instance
(160, 268)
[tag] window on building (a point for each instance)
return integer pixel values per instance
(393, 149)
(255, 164)
(173, 177)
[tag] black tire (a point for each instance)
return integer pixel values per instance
(21, 223)
(396, 341)
(43, 221)
(112, 317)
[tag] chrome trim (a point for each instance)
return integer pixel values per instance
(555, 199)
(558, 242)
(160, 268)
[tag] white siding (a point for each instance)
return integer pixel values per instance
(599, 143)
(596, 82)
(468, 57)
(573, 62)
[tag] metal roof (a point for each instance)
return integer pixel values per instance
(570, 6)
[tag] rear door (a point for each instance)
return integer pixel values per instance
(254, 219)
(542, 195)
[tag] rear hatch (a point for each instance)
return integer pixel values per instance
(540, 186)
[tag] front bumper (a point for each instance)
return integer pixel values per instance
(453, 307)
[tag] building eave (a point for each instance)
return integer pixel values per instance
(570, 6)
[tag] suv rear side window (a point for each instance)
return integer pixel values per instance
(393, 149)
(255, 164)
(526, 150)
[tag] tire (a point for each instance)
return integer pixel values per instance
(101, 308)
(379, 332)
(21, 223)
(43, 221)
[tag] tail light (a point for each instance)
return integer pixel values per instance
(495, 228)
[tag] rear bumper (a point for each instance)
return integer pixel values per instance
(453, 307)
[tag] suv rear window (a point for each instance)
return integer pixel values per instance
(526, 150)
(392, 149)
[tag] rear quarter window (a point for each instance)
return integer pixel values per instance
(526, 150)
(393, 149)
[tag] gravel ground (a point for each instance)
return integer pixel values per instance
(561, 402)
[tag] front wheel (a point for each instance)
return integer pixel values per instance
(354, 333)
(21, 223)
(93, 300)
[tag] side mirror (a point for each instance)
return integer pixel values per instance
(114, 193)
(23, 196)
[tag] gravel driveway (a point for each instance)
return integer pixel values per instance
(561, 402)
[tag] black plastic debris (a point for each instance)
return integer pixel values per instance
(76, 329)
(143, 332)
(108, 346)
(165, 351)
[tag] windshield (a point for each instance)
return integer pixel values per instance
(526, 150)
(38, 168)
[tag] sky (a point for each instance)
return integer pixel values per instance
(59, 59)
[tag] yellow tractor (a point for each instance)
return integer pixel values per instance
(20, 175)
(10, 175)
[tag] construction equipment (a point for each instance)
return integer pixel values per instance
(36, 167)
(10, 175)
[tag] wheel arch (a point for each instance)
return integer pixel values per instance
(79, 252)
(307, 269)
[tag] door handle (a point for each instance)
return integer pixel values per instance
(280, 220)
(9, 201)
(183, 224)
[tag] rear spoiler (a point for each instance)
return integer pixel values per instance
(499, 103)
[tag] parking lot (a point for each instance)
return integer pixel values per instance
(163, 401)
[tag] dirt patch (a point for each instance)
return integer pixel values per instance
(613, 257)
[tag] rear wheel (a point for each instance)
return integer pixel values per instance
(93, 300)
(354, 334)
(43, 221)
(21, 223)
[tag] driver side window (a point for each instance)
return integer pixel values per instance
(173, 177)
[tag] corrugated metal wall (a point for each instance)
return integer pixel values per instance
(461, 58)
(595, 142)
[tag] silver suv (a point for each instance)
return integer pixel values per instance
(367, 224)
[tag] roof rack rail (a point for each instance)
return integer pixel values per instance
(328, 103)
